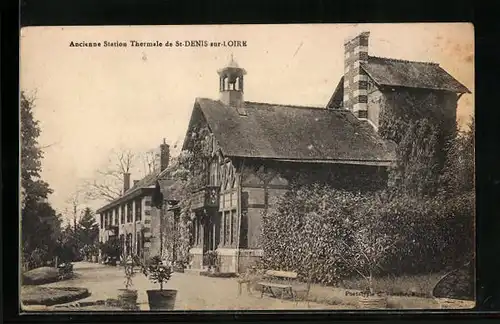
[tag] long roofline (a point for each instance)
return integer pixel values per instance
(325, 161)
(130, 195)
(410, 87)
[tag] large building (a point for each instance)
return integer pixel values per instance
(257, 149)
(129, 217)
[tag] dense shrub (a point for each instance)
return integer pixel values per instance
(311, 226)
(303, 233)
(437, 233)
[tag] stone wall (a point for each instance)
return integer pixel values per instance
(196, 258)
(375, 104)
(237, 260)
(248, 258)
(155, 241)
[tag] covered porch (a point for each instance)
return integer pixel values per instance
(216, 227)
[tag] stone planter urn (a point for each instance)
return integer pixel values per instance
(162, 299)
(127, 298)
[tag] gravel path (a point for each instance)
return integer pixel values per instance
(194, 292)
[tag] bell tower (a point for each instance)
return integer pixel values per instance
(231, 84)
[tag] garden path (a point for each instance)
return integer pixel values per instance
(194, 292)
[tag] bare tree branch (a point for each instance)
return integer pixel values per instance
(108, 181)
(74, 202)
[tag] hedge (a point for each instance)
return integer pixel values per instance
(311, 225)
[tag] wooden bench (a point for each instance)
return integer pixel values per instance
(286, 282)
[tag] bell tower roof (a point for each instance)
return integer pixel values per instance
(231, 84)
(232, 68)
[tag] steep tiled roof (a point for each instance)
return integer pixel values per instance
(337, 98)
(401, 73)
(423, 75)
(294, 133)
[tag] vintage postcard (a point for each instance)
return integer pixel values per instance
(247, 167)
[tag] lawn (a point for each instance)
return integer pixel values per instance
(405, 292)
(414, 286)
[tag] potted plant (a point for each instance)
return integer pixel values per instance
(179, 266)
(111, 251)
(128, 297)
(372, 241)
(188, 261)
(212, 261)
(158, 272)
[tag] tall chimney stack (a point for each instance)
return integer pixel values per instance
(126, 181)
(164, 155)
(355, 80)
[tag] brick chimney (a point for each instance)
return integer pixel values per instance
(355, 80)
(164, 155)
(126, 181)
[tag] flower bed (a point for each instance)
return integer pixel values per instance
(218, 274)
(40, 276)
(32, 295)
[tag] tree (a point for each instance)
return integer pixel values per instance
(39, 222)
(150, 161)
(418, 166)
(458, 175)
(109, 182)
(68, 245)
(88, 232)
(74, 202)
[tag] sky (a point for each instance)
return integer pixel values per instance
(90, 101)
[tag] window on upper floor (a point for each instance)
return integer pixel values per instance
(214, 173)
(129, 212)
(138, 210)
(122, 214)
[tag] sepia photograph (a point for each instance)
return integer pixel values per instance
(247, 167)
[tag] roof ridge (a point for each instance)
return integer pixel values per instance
(400, 60)
(283, 105)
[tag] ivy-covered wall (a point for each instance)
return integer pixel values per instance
(264, 182)
(400, 107)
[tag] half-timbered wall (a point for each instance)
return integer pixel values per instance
(261, 187)
(228, 213)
